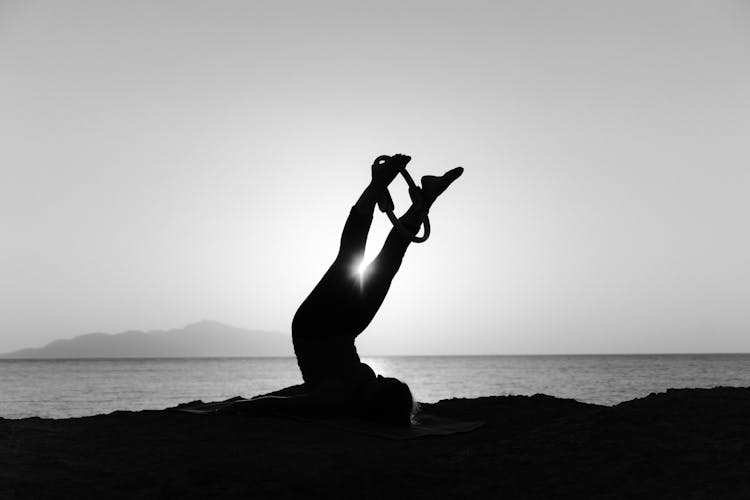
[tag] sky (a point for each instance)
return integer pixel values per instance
(166, 162)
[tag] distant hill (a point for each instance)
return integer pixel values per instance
(202, 339)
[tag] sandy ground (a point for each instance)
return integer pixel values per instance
(689, 443)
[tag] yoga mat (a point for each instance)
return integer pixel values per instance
(426, 424)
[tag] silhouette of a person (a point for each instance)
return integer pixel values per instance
(341, 306)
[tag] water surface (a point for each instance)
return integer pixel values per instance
(71, 388)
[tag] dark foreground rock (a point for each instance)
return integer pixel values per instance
(688, 443)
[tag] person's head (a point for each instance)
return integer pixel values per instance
(390, 400)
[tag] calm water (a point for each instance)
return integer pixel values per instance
(67, 388)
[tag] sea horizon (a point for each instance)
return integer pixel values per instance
(629, 354)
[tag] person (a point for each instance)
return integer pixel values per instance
(341, 306)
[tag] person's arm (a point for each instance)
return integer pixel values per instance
(303, 405)
(324, 402)
(293, 390)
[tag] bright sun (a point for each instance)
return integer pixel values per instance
(360, 268)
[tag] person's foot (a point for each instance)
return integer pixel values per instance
(433, 186)
(386, 168)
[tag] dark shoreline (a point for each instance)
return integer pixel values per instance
(685, 443)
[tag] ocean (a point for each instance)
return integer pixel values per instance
(81, 387)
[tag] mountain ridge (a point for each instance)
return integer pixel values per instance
(205, 338)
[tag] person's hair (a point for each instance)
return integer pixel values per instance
(393, 402)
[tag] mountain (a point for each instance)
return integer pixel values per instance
(202, 339)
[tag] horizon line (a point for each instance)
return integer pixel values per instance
(8, 357)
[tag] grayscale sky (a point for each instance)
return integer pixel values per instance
(162, 162)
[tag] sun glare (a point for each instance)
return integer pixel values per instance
(361, 268)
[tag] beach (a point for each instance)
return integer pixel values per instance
(684, 443)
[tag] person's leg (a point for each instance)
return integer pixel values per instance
(381, 271)
(357, 227)
(330, 304)
(386, 264)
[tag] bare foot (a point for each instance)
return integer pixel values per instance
(386, 168)
(433, 186)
